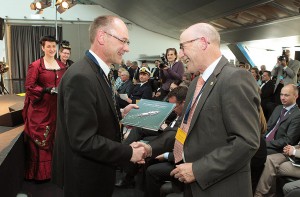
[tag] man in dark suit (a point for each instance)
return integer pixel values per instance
(142, 90)
(221, 138)
(284, 123)
(266, 95)
(87, 145)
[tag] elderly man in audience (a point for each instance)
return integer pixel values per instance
(278, 165)
(119, 82)
(284, 123)
(177, 96)
(125, 88)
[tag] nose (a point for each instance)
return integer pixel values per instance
(181, 53)
(126, 47)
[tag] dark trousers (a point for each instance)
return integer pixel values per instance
(156, 176)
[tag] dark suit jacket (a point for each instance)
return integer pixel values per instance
(131, 73)
(126, 88)
(141, 92)
(155, 72)
(87, 144)
(224, 133)
(267, 92)
(288, 131)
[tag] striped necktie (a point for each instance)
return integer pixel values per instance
(178, 147)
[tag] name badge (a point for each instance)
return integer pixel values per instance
(180, 135)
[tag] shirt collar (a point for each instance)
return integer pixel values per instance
(210, 69)
(289, 107)
(101, 63)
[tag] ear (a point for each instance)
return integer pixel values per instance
(100, 37)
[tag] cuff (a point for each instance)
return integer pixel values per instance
(166, 155)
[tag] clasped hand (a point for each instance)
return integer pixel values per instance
(184, 173)
(288, 150)
(140, 152)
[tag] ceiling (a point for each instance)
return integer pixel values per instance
(236, 20)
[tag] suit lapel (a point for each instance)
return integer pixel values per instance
(209, 85)
(103, 84)
(289, 113)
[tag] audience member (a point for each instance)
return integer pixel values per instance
(136, 72)
(39, 111)
(125, 88)
(154, 77)
(258, 160)
(119, 81)
(172, 71)
(64, 53)
(186, 79)
(255, 74)
(275, 166)
(262, 69)
(87, 147)
(266, 95)
(141, 90)
(284, 123)
(285, 73)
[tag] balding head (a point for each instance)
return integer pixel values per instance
(109, 39)
(200, 46)
(289, 95)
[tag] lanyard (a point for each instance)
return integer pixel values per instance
(189, 107)
(89, 55)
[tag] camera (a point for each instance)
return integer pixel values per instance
(282, 58)
(164, 62)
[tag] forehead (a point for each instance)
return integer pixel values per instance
(186, 35)
(49, 43)
(120, 28)
(65, 50)
(286, 89)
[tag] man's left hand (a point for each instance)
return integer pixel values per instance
(184, 173)
(128, 108)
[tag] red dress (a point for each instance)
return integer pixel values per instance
(39, 115)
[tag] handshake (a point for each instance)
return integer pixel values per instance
(140, 151)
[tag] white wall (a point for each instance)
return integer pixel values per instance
(75, 24)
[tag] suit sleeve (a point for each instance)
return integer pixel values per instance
(239, 103)
(82, 122)
(290, 72)
(274, 71)
(292, 135)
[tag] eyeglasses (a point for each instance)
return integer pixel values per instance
(124, 41)
(181, 45)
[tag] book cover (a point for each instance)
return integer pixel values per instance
(150, 115)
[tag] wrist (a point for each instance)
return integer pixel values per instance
(149, 150)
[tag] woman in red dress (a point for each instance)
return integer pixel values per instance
(39, 111)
